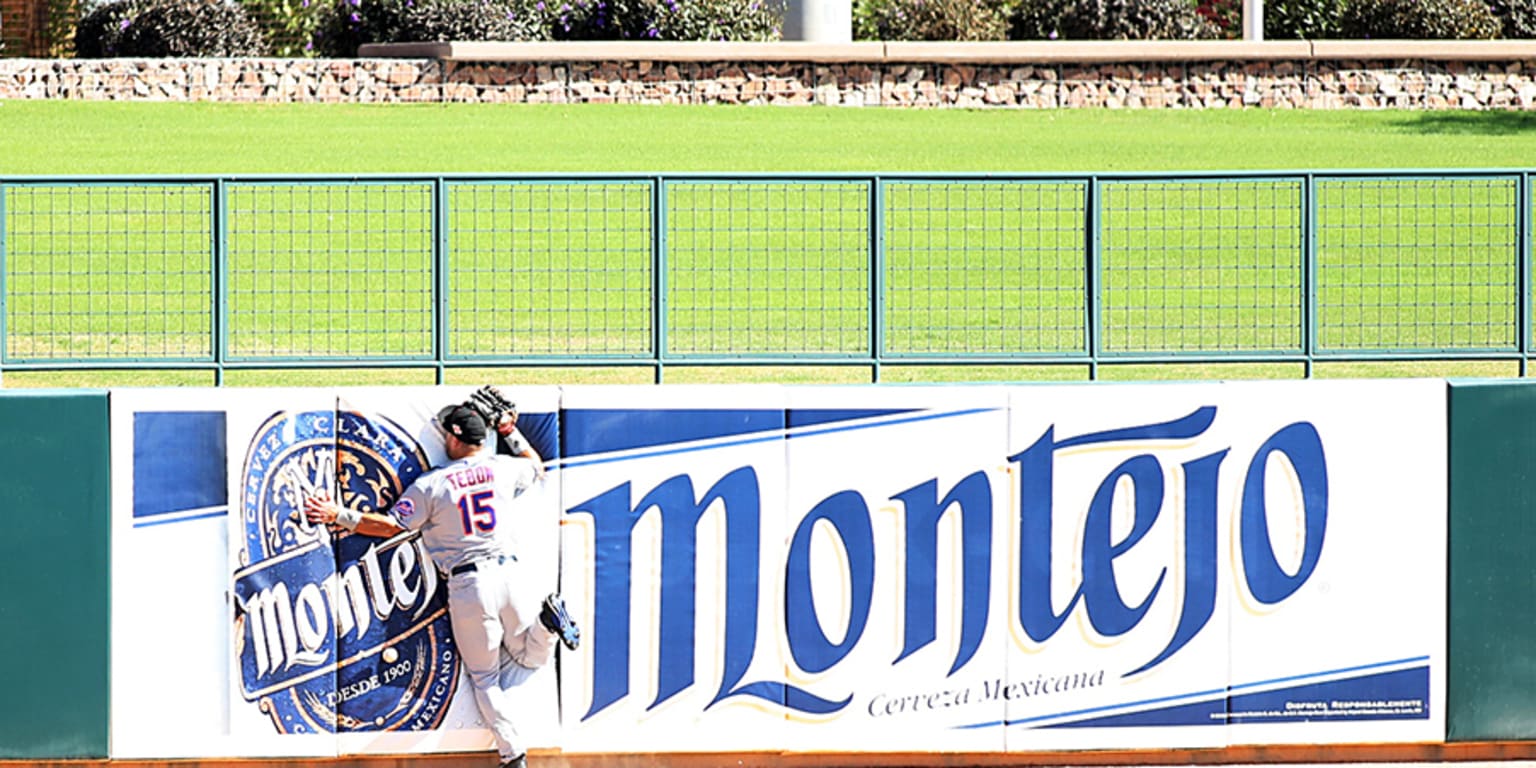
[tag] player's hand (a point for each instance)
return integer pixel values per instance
(320, 510)
(506, 424)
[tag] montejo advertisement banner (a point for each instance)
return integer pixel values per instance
(860, 569)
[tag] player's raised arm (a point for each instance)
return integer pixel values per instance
(501, 414)
(325, 511)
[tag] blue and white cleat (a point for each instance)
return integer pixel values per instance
(555, 618)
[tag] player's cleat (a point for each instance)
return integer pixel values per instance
(555, 619)
(521, 761)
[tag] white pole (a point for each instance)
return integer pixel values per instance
(1253, 20)
(818, 21)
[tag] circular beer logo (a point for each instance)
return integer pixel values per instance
(337, 631)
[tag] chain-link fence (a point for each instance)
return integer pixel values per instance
(694, 270)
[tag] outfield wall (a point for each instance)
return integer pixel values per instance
(55, 574)
(1492, 618)
(1153, 74)
(981, 570)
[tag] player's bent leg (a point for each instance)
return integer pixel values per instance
(477, 633)
(513, 674)
(529, 647)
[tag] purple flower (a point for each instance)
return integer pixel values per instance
(356, 18)
(651, 32)
(539, 5)
(124, 24)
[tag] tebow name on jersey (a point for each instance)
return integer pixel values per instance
(471, 476)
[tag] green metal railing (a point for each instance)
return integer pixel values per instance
(226, 273)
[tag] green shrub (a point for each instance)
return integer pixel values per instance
(1418, 20)
(1302, 19)
(204, 28)
(346, 24)
(732, 20)
(1517, 18)
(288, 25)
(161, 28)
(474, 20)
(97, 34)
(726, 20)
(604, 20)
(936, 20)
(1036, 19)
(1109, 20)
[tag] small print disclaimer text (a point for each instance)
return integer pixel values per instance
(1332, 708)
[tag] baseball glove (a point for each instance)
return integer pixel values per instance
(492, 405)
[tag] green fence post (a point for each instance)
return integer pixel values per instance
(440, 286)
(218, 314)
(659, 275)
(876, 224)
(1308, 273)
(1523, 271)
(1092, 277)
(4, 339)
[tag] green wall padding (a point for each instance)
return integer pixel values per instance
(54, 574)
(1491, 643)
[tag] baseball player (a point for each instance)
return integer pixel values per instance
(461, 510)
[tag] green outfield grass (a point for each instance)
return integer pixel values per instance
(65, 137)
(338, 270)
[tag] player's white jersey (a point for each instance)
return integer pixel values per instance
(464, 509)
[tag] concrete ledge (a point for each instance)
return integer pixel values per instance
(1434, 50)
(1024, 52)
(1095, 51)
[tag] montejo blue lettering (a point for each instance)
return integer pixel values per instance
(292, 626)
(615, 514)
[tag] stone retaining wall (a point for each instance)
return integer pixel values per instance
(956, 80)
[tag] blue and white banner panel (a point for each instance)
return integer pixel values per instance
(1339, 610)
(293, 639)
(896, 569)
(1242, 563)
(673, 554)
(173, 661)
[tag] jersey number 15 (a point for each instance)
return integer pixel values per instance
(476, 512)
